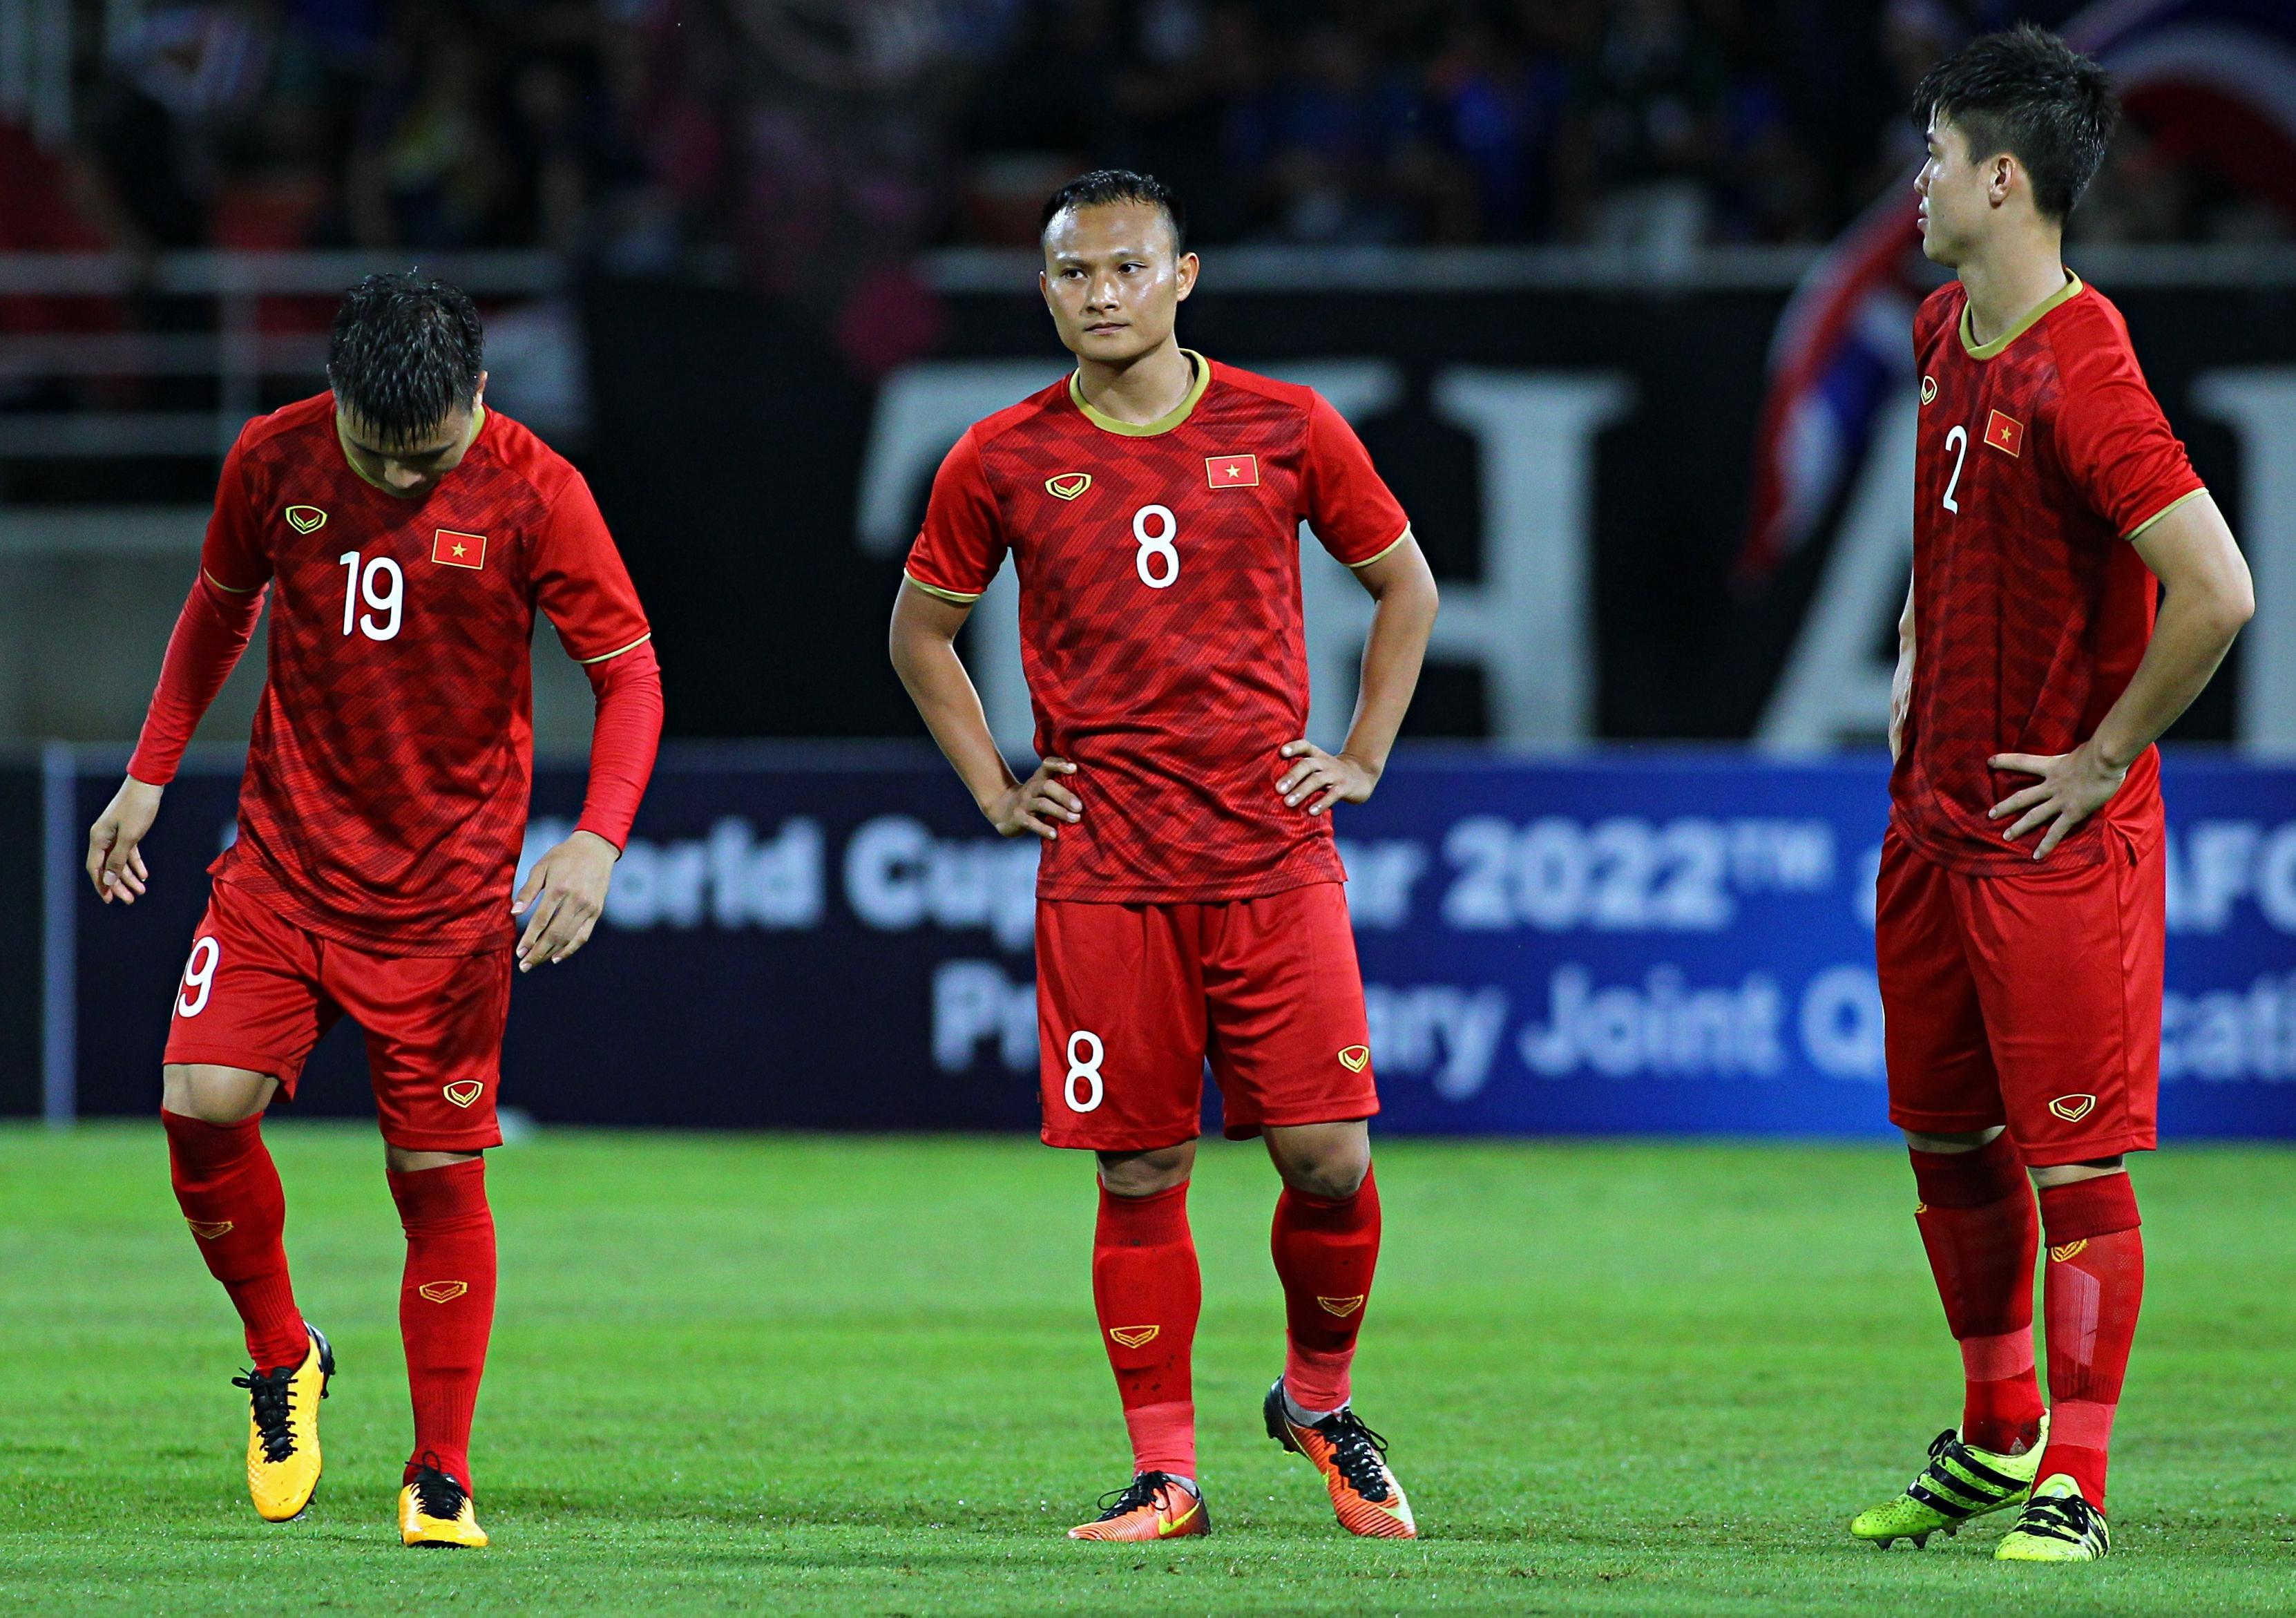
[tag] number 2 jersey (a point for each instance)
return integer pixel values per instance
(2040, 455)
(389, 772)
(1160, 625)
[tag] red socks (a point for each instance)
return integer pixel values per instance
(1147, 1291)
(445, 1306)
(229, 1191)
(2091, 1294)
(1325, 1248)
(1977, 1222)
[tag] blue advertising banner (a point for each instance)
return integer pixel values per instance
(1660, 942)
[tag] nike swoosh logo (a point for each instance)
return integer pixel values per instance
(1164, 1529)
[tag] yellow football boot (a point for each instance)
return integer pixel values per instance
(282, 1431)
(434, 1509)
(2058, 1524)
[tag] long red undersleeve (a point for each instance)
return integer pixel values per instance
(210, 633)
(623, 740)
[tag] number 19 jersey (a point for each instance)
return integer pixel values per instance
(1160, 625)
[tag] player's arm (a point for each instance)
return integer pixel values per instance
(1902, 679)
(219, 619)
(1403, 588)
(924, 646)
(2207, 597)
(585, 592)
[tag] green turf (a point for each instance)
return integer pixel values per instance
(862, 1376)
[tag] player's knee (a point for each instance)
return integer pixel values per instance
(399, 1160)
(2067, 1174)
(1146, 1173)
(214, 1095)
(1965, 1141)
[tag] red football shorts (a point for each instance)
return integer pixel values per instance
(1132, 1000)
(259, 991)
(2031, 1000)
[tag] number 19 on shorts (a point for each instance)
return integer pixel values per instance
(1082, 1090)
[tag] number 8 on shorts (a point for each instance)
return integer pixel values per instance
(1086, 1054)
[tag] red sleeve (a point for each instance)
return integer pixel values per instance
(623, 740)
(961, 544)
(211, 632)
(2114, 443)
(1348, 504)
(581, 585)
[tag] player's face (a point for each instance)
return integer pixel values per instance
(409, 468)
(1955, 192)
(1112, 282)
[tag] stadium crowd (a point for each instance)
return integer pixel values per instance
(817, 137)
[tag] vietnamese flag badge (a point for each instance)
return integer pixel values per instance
(1231, 471)
(454, 550)
(2006, 432)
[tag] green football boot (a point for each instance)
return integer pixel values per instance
(1961, 1482)
(2058, 1524)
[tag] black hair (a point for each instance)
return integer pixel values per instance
(405, 355)
(2029, 93)
(1104, 186)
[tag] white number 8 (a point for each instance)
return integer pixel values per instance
(1159, 546)
(1087, 1067)
(198, 977)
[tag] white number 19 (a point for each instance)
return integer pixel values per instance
(384, 588)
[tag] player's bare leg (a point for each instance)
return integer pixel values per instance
(1326, 1243)
(228, 1189)
(446, 1314)
(1147, 1291)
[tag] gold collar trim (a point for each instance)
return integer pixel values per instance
(1146, 430)
(2023, 323)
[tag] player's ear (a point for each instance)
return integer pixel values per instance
(2002, 179)
(1186, 269)
(479, 393)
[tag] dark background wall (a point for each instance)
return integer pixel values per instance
(729, 440)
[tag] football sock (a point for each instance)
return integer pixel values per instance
(2091, 1294)
(1977, 1222)
(1325, 1248)
(1147, 1291)
(446, 1307)
(228, 1189)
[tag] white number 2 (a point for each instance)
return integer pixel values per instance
(1159, 546)
(1957, 440)
(384, 588)
(1086, 1054)
(198, 977)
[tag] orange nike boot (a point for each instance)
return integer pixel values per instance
(1153, 1505)
(1353, 1459)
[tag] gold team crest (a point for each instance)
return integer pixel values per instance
(1929, 389)
(1134, 1336)
(1355, 1058)
(1069, 485)
(305, 518)
(443, 1292)
(462, 1092)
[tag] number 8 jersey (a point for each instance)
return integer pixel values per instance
(1160, 625)
(2039, 455)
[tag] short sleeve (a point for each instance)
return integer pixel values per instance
(2114, 443)
(579, 580)
(1348, 504)
(961, 544)
(231, 555)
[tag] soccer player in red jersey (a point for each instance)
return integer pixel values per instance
(405, 535)
(1189, 900)
(2021, 899)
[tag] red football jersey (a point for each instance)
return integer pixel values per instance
(388, 776)
(1160, 626)
(2040, 454)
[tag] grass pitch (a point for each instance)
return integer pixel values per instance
(861, 1376)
